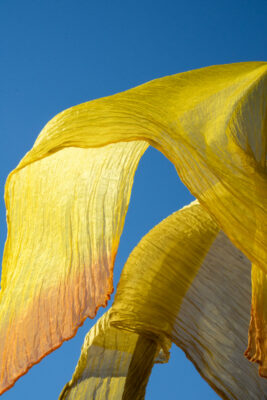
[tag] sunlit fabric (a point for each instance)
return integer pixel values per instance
(181, 283)
(113, 365)
(66, 202)
(162, 267)
(66, 214)
(257, 346)
(187, 282)
(153, 283)
(211, 123)
(212, 323)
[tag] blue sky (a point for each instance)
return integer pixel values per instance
(58, 53)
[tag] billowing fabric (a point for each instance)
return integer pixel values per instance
(165, 261)
(211, 123)
(181, 283)
(187, 282)
(113, 365)
(66, 214)
(160, 270)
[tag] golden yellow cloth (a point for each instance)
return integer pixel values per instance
(181, 283)
(152, 286)
(114, 364)
(211, 123)
(66, 201)
(66, 214)
(186, 282)
(257, 346)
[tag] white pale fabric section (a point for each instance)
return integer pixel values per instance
(213, 321)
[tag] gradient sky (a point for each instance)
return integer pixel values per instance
(58, 53)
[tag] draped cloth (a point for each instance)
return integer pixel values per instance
(67, 199)
(66, 214)
(181, 283)
(114, 364)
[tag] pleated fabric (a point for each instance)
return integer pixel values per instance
(66, 215)
(211, 123)
(113, 365)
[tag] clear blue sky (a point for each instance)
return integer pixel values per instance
(58, 53)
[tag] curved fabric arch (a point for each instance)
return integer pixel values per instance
(181, 284)
(186, 282)
(211, 123)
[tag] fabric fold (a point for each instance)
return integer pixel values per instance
(212, 323)
(257, 343)
(160, 270)
(186, 282)
(211, 123)
(113, 365)
(153, 283)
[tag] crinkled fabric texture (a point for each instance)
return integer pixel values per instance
(114, 364)
(257, 346)
(164, 262)
(66, 215)
(185, 281)
(211, 123)
(212, 323)
(181, 283)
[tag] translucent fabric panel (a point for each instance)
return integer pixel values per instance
(211, 326)
(211, 123)
(113, 365)
(65, 217)
(187, 282)
(165, 261)
(160, 270)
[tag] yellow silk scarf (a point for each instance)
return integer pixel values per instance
(66, 203)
